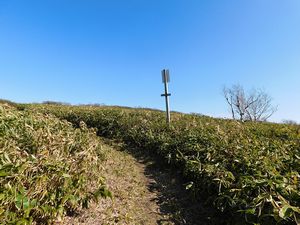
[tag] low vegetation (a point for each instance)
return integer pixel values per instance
(248, 171)
(47, 167)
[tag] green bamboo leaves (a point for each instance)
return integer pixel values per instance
(249, 171)
(47, 168)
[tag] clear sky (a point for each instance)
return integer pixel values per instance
(112, 52)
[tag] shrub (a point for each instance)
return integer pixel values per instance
(47, 168)
(248, 171)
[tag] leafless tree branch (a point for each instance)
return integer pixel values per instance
(255, 105)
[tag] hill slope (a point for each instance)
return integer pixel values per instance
(248, 171)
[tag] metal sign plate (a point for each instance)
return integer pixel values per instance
(165, 76)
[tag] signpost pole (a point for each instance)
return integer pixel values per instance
(166, 80)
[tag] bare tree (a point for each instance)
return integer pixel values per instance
(262, 108)
(238, 101)
(255, 105)
(229, 96)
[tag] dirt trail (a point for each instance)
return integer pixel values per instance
(144, 193)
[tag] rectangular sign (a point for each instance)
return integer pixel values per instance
(165, 76)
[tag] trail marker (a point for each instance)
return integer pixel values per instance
(166, 79)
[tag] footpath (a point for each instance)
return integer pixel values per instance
(144, 192)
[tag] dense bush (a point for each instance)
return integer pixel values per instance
(47, 168)
(249, 171)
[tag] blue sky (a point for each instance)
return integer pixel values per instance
(112, 52)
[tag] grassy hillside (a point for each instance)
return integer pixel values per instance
(47, 167)
(248, 171)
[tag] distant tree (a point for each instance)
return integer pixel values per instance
(55, 103)
(290, 122)
(254, 105)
